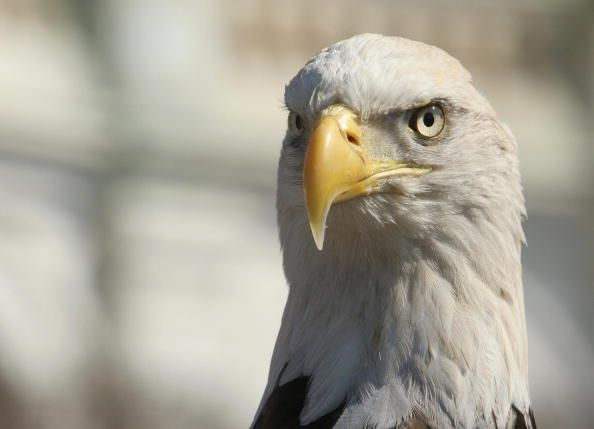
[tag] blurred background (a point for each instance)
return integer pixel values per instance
(140, 271)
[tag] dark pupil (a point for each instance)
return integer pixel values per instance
(428, 119)
(298, 122)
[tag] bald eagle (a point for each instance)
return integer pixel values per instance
(400, 215)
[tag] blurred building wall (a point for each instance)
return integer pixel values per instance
(140, 274)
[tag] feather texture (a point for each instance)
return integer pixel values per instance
(284, 405)
(413, 314)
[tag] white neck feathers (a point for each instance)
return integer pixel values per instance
(405, 324)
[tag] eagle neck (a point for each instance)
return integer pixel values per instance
(395, 322)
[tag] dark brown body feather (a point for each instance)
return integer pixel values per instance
(284, 405)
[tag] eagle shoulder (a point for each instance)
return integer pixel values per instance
(284, 405)
(521, 420)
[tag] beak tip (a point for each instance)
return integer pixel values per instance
(318, 235)
(320, 244)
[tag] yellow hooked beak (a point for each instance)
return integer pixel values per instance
(337, 167)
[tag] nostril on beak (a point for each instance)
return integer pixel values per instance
(352, 138)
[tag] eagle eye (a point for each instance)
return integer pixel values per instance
(428, 121)
(296, 124)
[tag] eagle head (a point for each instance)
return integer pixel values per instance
(388, 136)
